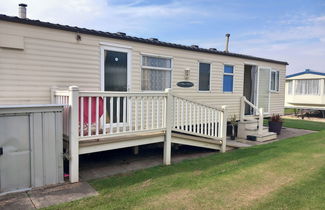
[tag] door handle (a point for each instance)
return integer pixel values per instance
(1, 151)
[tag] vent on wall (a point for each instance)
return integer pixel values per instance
(154, 39)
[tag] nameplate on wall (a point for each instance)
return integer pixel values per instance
(185, 84)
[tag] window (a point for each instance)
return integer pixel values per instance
(274, 81)
(307, 87)
(156, 73)
(204, 77)
(228, 78)
(289, 86)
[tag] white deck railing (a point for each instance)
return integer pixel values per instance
(197, 119)
(94, 115)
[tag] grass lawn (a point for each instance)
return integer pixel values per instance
(286, 174)
(302, 124)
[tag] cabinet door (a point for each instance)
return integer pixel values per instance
(15, 164)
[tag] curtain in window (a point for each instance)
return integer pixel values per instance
(155, 79)
(307, 87)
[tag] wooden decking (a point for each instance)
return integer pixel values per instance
(97, 121)
(129, 140)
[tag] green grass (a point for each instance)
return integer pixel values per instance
(286, 174)
(289, 111)
(304, 124)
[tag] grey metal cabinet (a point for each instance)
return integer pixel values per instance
(31, 146)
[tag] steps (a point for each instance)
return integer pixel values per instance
(249, 130)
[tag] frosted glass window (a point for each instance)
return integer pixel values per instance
(156, 62)
(307, 87)
(156, 73)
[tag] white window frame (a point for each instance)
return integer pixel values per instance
(198, 76)
(231, 74)
(156, 68)
(276, 82)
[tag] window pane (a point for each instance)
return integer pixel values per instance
(229, 69)
(204, 76)
(156, 62)
(155, 79)
(277, 79)
(227, 83)
(273, 78)
(115, 71)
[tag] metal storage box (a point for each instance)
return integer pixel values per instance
(31, 146)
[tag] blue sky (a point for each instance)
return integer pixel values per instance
(289, 30)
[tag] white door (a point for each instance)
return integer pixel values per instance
(263, 89)
(115, 77)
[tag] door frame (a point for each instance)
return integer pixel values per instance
(255, 85)
(118, 48)
(258, 88)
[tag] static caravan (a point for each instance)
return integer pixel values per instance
(122, 91)
(305, 90)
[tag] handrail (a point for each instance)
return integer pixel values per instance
(198, 103)
(249, 103)
(119, 94)
(259, 112)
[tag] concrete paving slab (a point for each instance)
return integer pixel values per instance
(53, 195)
(16, 201)
(285, 134)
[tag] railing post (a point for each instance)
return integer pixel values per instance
(242, 108)
(73, 134)
(224, 129)
(260, 120)
(52, 90)
(169, 124)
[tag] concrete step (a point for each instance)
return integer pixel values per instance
(265, 136)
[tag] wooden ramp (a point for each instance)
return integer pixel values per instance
(118, 142)
(197, 141)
